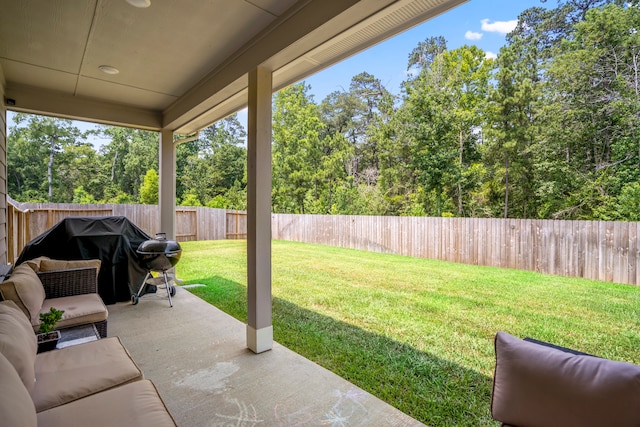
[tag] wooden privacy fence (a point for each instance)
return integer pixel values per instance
(607, 251)
(28, 220)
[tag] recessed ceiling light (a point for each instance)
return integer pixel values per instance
(139, 3)
(108, 69)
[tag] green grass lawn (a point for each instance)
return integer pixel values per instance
(416, 333)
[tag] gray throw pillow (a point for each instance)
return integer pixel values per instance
(539, 386)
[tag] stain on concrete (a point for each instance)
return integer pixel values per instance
(213, 379)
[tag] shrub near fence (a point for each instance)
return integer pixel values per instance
(600, 250)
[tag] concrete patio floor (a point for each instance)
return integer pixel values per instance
(197, 357)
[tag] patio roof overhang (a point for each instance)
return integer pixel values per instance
(182, 64)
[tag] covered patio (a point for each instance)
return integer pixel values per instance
(196, 356)
(175, 68)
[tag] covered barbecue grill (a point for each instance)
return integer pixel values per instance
(113, 240)
(158, 255)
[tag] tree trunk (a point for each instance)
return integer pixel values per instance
(506, 187)
(19, 187)
(50, 167)
(113, 166)
(461, 141)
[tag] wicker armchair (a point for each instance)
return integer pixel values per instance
(70, 282)
(67, 287)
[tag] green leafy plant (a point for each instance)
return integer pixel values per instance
(49, 319)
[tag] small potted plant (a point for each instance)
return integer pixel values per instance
(47, 335)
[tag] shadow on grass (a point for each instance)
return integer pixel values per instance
(432, 390)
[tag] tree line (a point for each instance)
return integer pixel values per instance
(548, 129)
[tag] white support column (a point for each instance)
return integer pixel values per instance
(167, 185)
(259, 327)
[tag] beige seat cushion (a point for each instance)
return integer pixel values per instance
(18, 342)
(44, 263)
(78, 371)
(16, 406)
(35, 263)
(78, 310)
(134, 404)
(539, 386)
(25, 289)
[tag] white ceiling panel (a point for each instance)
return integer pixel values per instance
(50, 34)
(165, 49)
(31, 75)
(276, 7)
(125, 95)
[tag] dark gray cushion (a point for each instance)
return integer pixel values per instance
(538, 386)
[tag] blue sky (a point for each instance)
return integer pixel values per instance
(483, 23)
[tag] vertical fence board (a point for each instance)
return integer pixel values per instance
(496, 243)
(475, 232)
(592, 254)
(636, 229)
(620, 234)
(535, 244)
(632, 266)
(562, 236)
(580, 245)
(608, 251)
(482, 242)
(527, 245)
(462, 241)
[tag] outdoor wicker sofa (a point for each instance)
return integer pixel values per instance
(96, 383)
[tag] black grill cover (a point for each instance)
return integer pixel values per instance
(113, 240)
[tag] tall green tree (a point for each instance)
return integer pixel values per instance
(444, 106)
(35, 149)
(397, 183)
(80, 165)
(128, 155)
(297, 155)
(149, 188)
(374, 101)
(338, 112)
(351, 119)
(423, 55)
(211, 165)
(594, 109)
(511, 130)
(331, 176)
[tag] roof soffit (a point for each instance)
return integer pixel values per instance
(324, 46)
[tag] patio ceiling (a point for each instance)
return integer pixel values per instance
(182, 64)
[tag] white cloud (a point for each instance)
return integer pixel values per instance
(490, 55)
(411, 72)
(502, 27)
(470, 35)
